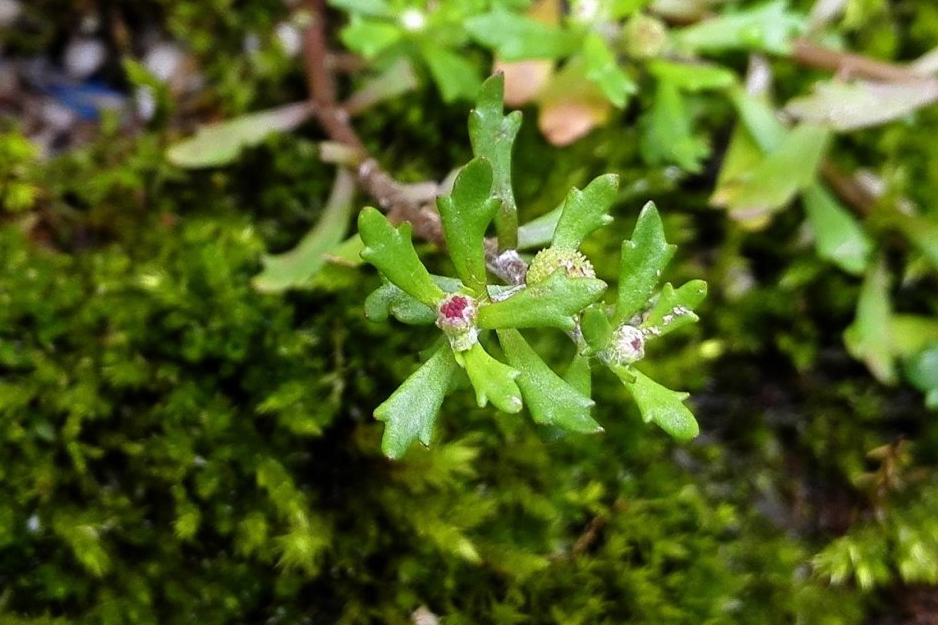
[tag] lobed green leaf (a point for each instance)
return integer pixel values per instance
(675, 307)
(492, 134)
(585, 211)
(551, 400)
(551, 303)
(370, 37)
(491, 379)
(659, 404)
(642, 261)
(392, 252)
(466, 214)
(602, 67)
(389, 300)
(453, 74)
(410, 412)
(579, 375)
(595, 328)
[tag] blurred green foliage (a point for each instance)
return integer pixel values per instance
(17, 193)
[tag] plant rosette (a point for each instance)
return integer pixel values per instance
(465, 308)
(559, 290)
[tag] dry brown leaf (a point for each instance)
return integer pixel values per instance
(563, 122)
(524, 80)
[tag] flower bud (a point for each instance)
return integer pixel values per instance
(549, 260)
(511, 266)
(456, 316)
(644, 37)
(627, 346)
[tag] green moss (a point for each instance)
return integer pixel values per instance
(177, 446)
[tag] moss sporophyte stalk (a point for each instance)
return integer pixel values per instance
(560, 290)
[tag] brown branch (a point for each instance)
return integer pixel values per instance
(848, 188)
(848, 64)
(345, 62)
(414, 203)
(318, 74)
(587, 537)
(321, 82)
(399, 200)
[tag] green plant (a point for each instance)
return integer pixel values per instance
(186, 430)
(17, 192)
(896, 540)
(672, 70)
(178, 446)
(580, 64)
(558, 290)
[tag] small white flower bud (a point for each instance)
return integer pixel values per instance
(628, 345)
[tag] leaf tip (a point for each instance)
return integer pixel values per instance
(514, 404)
(691, 433)
(367, 216)
(391, 451)
(612, 179)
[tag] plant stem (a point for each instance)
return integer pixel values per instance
(402, 202)
(848, 64)
(848, 188)
(506, 226)
(391, 196)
